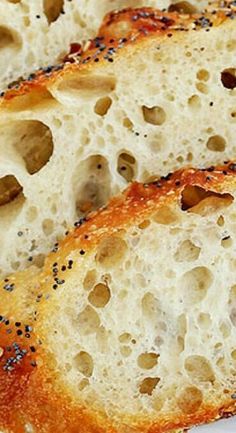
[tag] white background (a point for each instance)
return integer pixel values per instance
(227, 426)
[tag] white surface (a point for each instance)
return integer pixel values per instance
(226, 426)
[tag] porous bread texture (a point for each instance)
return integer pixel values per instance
(134, 315)
(151, 329)
(69, 145)
(35, 33)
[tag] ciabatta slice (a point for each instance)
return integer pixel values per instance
(131, 324)
(155, 91)
(36, 33)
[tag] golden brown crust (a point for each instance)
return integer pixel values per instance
(30, 387)
(118, 31)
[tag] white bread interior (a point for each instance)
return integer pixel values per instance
(134, 314)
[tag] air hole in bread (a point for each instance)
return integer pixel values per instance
(125, 338)
(233, 354)
(147, 361)
(166, 216)
(127, 123)
(203, 75)
(216, 143)
(84, 363)
(39, 260)
(10, 188)
(194, 102)
(144, 224)
(225, 330)
(102, 106)
(84, 86)
(9, 38)
(90, 279)
(190, 399)
(125, 351)
(48, 226)
(34, 143)
(35, 98)
(228, 78)
(182, 7)
(150, 306)
(102, 339)
(99, 296)
(111, 252)
(148, 385)
(204, 320)
(202, 87)
(92, 183)
(197, 200)
(221, 221)
(187, 252)
(195, 284)
(83, 384)
(199, 368)
(52, 9)
(226, 242)
(154, 115)
(88, 321)
(127, 166)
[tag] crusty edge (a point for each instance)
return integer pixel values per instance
(142, 23)
(26, 391)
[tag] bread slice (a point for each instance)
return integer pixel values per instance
(154, 91)
(35, 33)
(130, 325)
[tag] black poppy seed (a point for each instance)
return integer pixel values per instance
(225, 172)
(232, 166)
(9, 287)
(27, 335)
(99, 166)
(211, 104)
(208, 178)
(1, 318)
(55, 286)
(82, 252)
(210, 169)
(19, 332)
(28, 328)
(6, 280)
(123, 168)
(30, 259)
(7, 322)
(86, 236)
(20, 233)
(233, 396)
(33, 363)
(63, 268)
(32, 348)
(59, 281)
(177, 183)
(17, 324)
(38, 17)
